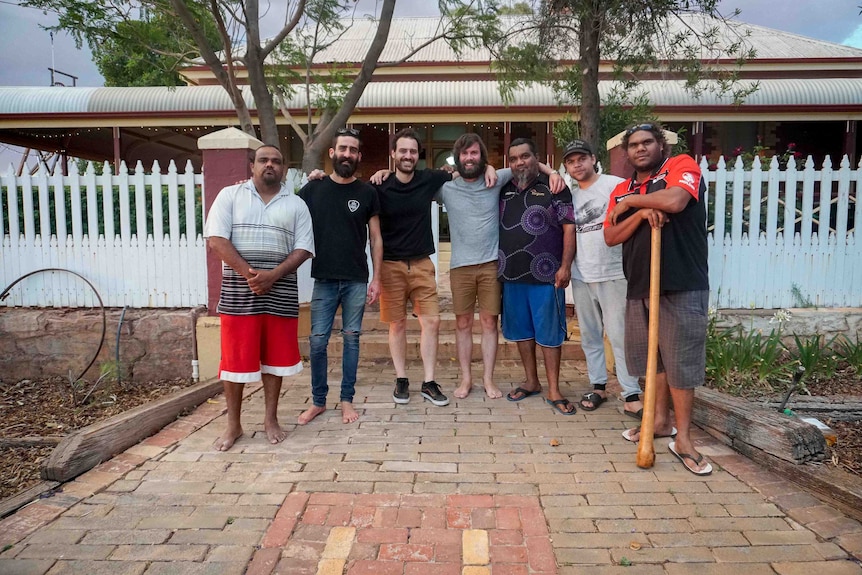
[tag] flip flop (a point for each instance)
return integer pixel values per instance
(697, 460)
(635, 414)
(629, 434)
(525, 393)
(594, 398)
(561, 404)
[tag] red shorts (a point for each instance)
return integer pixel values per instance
(252, 345)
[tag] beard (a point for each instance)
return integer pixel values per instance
(405, 166)
(524, 177)
(477, 170)
(344, 167)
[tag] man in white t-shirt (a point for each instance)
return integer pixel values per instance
(598, 282)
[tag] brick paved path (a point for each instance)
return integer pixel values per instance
(474, 488)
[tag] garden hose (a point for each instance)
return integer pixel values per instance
(5, 294)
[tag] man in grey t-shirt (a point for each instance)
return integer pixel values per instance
(598, 282)
(474, 218)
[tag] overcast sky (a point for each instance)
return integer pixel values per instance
(26, 51)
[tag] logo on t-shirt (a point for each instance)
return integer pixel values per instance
(688, 179)
(353, 205)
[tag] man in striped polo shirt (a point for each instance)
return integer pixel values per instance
(262, 232)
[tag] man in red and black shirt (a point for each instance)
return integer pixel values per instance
(666, 193)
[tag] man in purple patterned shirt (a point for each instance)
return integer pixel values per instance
(537, 246)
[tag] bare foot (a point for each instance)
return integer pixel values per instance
(492, 391)
(348, 414)
(227, 440)
(274, 432)
(310, 414)
(463, 390)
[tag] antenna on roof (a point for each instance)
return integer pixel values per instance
(54, 71)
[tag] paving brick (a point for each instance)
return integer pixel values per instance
(819, 567)
(418, 466)
(382, 535)
(435, 569)
(475, 547)
(780, 537)
(75, 567)
(509, 554)
(56, 536)
(834, 527)
(510, 569)
(215, 537)
(540, 554)
(476, 570)
(183, 522)
(533, 522)
(385, 517)
(315, 514)
(409, 517)
(483, 518)
(230, 554)
(376, 568)
(171, 568)
(127, 537)
(458, 518)
(85, 552)
(717, 569)
(766, 554)
(25, 566)
(806, 515)
(436, 536)
(405, 552)
(159, 553)
(433, 518)
(738, 524)
(278, 532)
(339, 542)
(331, 567)
(334, 499)
(648, 526)
(852, 543)
(446, 553)
(663, 555)
(601, 540)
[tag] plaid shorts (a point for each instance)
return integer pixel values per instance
(681, 337)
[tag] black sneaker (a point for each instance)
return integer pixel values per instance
(402, 391)
(431, 392)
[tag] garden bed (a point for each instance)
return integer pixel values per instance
(37, 414)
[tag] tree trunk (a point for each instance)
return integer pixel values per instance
(590, 27)
(319, 139)
(313, 154)
(262, 96)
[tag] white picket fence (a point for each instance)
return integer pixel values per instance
(133, 250)
(758, 259)
(755, 260)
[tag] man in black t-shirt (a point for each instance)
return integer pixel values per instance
(345, 215)
(667, 193)
(407, 271)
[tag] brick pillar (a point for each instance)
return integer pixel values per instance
(225, 163)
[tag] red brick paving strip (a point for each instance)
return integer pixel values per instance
(408, 534)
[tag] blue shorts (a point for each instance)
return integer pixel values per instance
(534, 311)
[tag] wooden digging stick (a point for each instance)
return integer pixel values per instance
(646, 451)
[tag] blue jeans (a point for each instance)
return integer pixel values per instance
(325, 298)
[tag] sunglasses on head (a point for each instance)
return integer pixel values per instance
(639, 127)
(348, 132)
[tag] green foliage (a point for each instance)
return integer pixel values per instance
(799, 298)
(516, 8)
(638, 37)
(850, 352)
(133, 44)
(740, 362)
(814, 354)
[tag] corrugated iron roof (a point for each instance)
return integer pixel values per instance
(393, 95)
(406, 34)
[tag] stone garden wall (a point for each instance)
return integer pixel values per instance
(46, 342)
